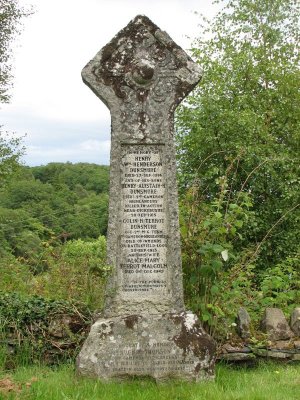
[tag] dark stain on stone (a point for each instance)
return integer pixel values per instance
(197, 368)
(142, 94)
(177, 319)
(182, 90)
(107, 51)
(193, 339)
(131, 320)
(143, 73)
(107, 329)
(142, 121)
(114, 64)
(112, 57)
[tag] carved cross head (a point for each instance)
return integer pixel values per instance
(141, 75)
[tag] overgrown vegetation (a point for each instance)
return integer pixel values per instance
(45, 206)
(11, 15)
(220, 266)
(238, 146)
(53, 259)
(35, 330)
(75, 271)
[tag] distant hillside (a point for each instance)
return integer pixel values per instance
(53, 203)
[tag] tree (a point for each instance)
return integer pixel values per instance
(53, 197)
(240, 128)
(10, 152)
(10, 16)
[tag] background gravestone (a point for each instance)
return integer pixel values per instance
(142, 75)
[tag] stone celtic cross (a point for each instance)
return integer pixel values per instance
(142, 75)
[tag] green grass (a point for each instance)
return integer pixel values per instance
(266, 382)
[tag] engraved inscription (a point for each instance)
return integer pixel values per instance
(143, 241)
(163, 356)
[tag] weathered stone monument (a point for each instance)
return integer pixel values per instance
(142, 75)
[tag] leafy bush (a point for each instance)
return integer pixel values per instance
(76, 271)
(33, 329)
(14, 275)
(247, 106)
(280, 285)
(212, 231)
(221, 272)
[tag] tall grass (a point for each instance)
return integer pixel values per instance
(266, 382)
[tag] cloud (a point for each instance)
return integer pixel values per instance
(50, 102)
(93, 151)
(49, 140)
(39, 128)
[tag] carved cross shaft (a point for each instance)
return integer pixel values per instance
(142, 75)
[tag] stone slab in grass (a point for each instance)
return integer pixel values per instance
(275, 325)
(295, 321)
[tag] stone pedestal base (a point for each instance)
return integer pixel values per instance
(160, 346)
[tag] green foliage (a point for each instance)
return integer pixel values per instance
(75, 271)
(52, 208)
(50, 233)
(10, 153)
(15, 277)
(17, 227)
(26, 324)
(280, 285)
(52, 260)
(11, 14)
(81, 177)
(22, 310)
(213, 235)
(247, 106)
(220, 274)
(238, 145)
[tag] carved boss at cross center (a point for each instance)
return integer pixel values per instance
(143, 68)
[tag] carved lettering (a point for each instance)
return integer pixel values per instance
(143, 228)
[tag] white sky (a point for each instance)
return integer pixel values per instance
(62, 118)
